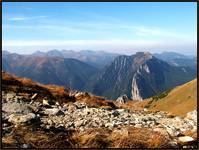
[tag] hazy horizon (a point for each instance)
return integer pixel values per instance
(112, 27)
(119, 53)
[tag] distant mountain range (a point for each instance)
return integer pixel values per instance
(139, 76)
(49, 70)
(177, 59)
(97, 59)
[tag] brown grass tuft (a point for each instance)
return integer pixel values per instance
(93, 138)
(132, 137)
(125, 137)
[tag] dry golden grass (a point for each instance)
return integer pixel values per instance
(8, 140)
(59, 90)
(92, 138)
(138, 138)
(37, 138)
(56, 89)
(127, 137)
(11, 79)
(132, 105)
(179, 101)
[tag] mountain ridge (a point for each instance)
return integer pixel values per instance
(138, 76)
(127, 74)
(49, 70)
(95, 58)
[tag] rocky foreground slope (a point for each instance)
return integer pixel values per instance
(31, 120)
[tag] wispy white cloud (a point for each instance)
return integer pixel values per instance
(111, 23)
(154, 31)
(101, 23)
(25, 18)
(148, 31)
(117, 36)
(58, 29)
(17, 18)
(102, 27)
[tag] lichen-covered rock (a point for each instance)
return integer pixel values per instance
(19, 118)
(16, 108)
(53, 111)
(192, 115)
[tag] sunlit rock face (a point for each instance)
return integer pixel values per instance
(135, 91)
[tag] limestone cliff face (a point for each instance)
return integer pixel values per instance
(135, 91)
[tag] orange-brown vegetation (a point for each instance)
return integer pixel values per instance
(96, 101)
(25, 85)
(133, 105)
(126, 137)
(36, 138)
(52, 92)
(138, 138)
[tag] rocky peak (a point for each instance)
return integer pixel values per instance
(135, 60)
(141, 57)
(144, 54)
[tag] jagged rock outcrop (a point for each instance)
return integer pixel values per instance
(122, 99)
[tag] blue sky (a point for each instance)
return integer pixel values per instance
(124, 27)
